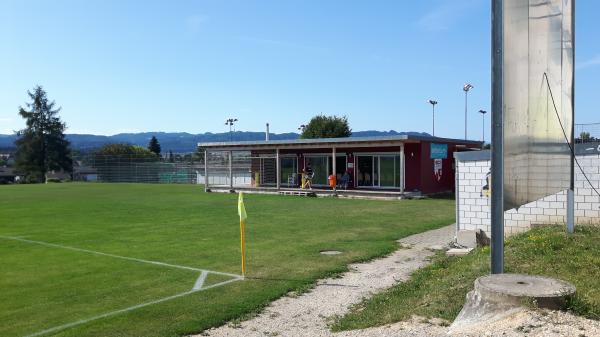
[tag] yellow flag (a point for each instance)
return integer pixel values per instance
(241, 208)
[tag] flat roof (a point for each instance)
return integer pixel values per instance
(343, 140)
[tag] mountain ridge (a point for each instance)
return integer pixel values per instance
(180, 142)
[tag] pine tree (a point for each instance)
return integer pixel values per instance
(42, 146)
(154, 146)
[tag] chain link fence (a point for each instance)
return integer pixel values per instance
(587, 133)
(241, 169)
(176, 169)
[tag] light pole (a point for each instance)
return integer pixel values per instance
(230, 122)
(483, 112)
(433, 103)
(466, 89)
(302, 127)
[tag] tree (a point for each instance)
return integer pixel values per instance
(41, 146)
(171, 158)
(154, 146)
(585, 137)
(327, 127)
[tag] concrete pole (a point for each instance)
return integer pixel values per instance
(205, 170)
(278, 168)
(497, 198)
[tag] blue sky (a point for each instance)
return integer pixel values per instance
(129, 66)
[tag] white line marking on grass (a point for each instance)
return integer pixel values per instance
(112, 313)
(200, 281)
(117, 256)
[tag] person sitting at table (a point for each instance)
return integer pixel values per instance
(344, 180)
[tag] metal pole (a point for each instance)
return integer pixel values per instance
(497, 202)
(205, 170)
(466, 94)
(333, 165)
(483, 128)
(571, 191)
(433, 114)
(278, 168)
(231, 170)
(402, 167)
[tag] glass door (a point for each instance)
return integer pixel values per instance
(364, 172)
(320, 168)
(378, 171)
(387, 171)
(289, 171)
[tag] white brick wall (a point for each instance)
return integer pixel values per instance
(474, 209)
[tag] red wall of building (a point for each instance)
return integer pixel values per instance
(429, 182)
(419, 175)
(412, 165)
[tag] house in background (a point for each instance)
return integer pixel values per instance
(8, 175)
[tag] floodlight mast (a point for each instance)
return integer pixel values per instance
(433, 103)
(483, 112)
(466, 89)
(497, 143)
(230, 122)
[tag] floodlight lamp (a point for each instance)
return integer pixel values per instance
(467, 87)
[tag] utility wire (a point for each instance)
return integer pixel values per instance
(566, 137)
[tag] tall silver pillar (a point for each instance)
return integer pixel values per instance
(497, 197)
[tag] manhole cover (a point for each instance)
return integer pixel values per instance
(330, 252)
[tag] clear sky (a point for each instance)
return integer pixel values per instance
(129, 66)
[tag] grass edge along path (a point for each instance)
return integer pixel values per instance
(439, 289)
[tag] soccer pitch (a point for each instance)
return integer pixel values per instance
(163, 260)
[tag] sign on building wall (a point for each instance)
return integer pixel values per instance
(439, 151)
(437, 169)
(538, 87)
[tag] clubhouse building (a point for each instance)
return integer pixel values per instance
(391, 165)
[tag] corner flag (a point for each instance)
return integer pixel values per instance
(243, 216)
(241, 208)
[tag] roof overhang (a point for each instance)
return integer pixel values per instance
(354, 142)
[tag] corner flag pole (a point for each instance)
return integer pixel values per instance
(243, 216)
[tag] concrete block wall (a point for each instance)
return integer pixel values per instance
(473, 209)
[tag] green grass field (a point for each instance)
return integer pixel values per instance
(48, 286)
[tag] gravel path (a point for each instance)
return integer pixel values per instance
(309, 314)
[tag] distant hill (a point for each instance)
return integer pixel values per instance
(181, 141)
